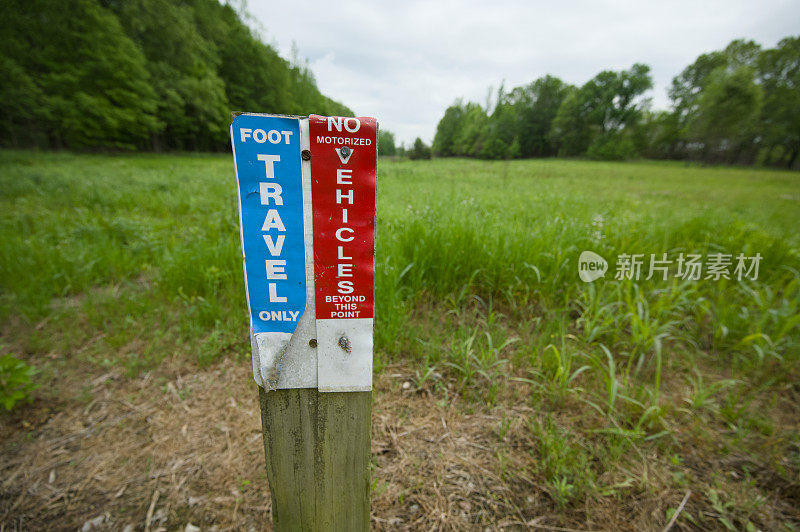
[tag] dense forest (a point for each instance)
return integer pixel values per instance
(740, 105)
(139, 74)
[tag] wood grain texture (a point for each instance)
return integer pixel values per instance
(317, 449)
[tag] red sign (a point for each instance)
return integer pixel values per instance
(343, 158)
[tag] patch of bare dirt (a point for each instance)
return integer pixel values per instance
(182, 446)
(174, 448)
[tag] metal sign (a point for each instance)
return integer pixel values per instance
(343, 159)
(307, 218)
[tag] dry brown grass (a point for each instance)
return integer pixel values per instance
(178, 446)
(189, 444)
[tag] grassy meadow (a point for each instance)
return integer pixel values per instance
(606, 403)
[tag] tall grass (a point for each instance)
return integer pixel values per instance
(450, 234)
(452, 230)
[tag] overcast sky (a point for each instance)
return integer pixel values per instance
(405, 62)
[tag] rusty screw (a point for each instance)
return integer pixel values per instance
(344, 343)
(313, 342)
(305, 155)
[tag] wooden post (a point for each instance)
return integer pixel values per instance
(317, 446)
(310, 330)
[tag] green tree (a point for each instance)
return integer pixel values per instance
(501, 131)
(444, 143)
(779, 74)
(727, 113)
(536, 106)
(22, 106)
(614, 99)
(687, 86)
(657, 135)
(697, 94)
(570, 133)
(91, 82)
(386, 143)
(420, 150)
(256, 78)
(140, 73)
(472, 134)
(600, 116)
(518, 125)
(183, 70)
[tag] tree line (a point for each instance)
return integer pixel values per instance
(386, 146)
(740, 105)
(139, 74)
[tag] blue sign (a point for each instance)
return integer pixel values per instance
(266, 154)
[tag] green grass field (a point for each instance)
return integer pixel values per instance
(639, 386)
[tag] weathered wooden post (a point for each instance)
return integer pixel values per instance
(307, 217)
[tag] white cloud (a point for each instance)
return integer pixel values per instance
(405, 62)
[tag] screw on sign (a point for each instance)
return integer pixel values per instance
(306, 188)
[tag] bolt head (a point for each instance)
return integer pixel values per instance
(344, 343)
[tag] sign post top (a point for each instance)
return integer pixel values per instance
(307, 218)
